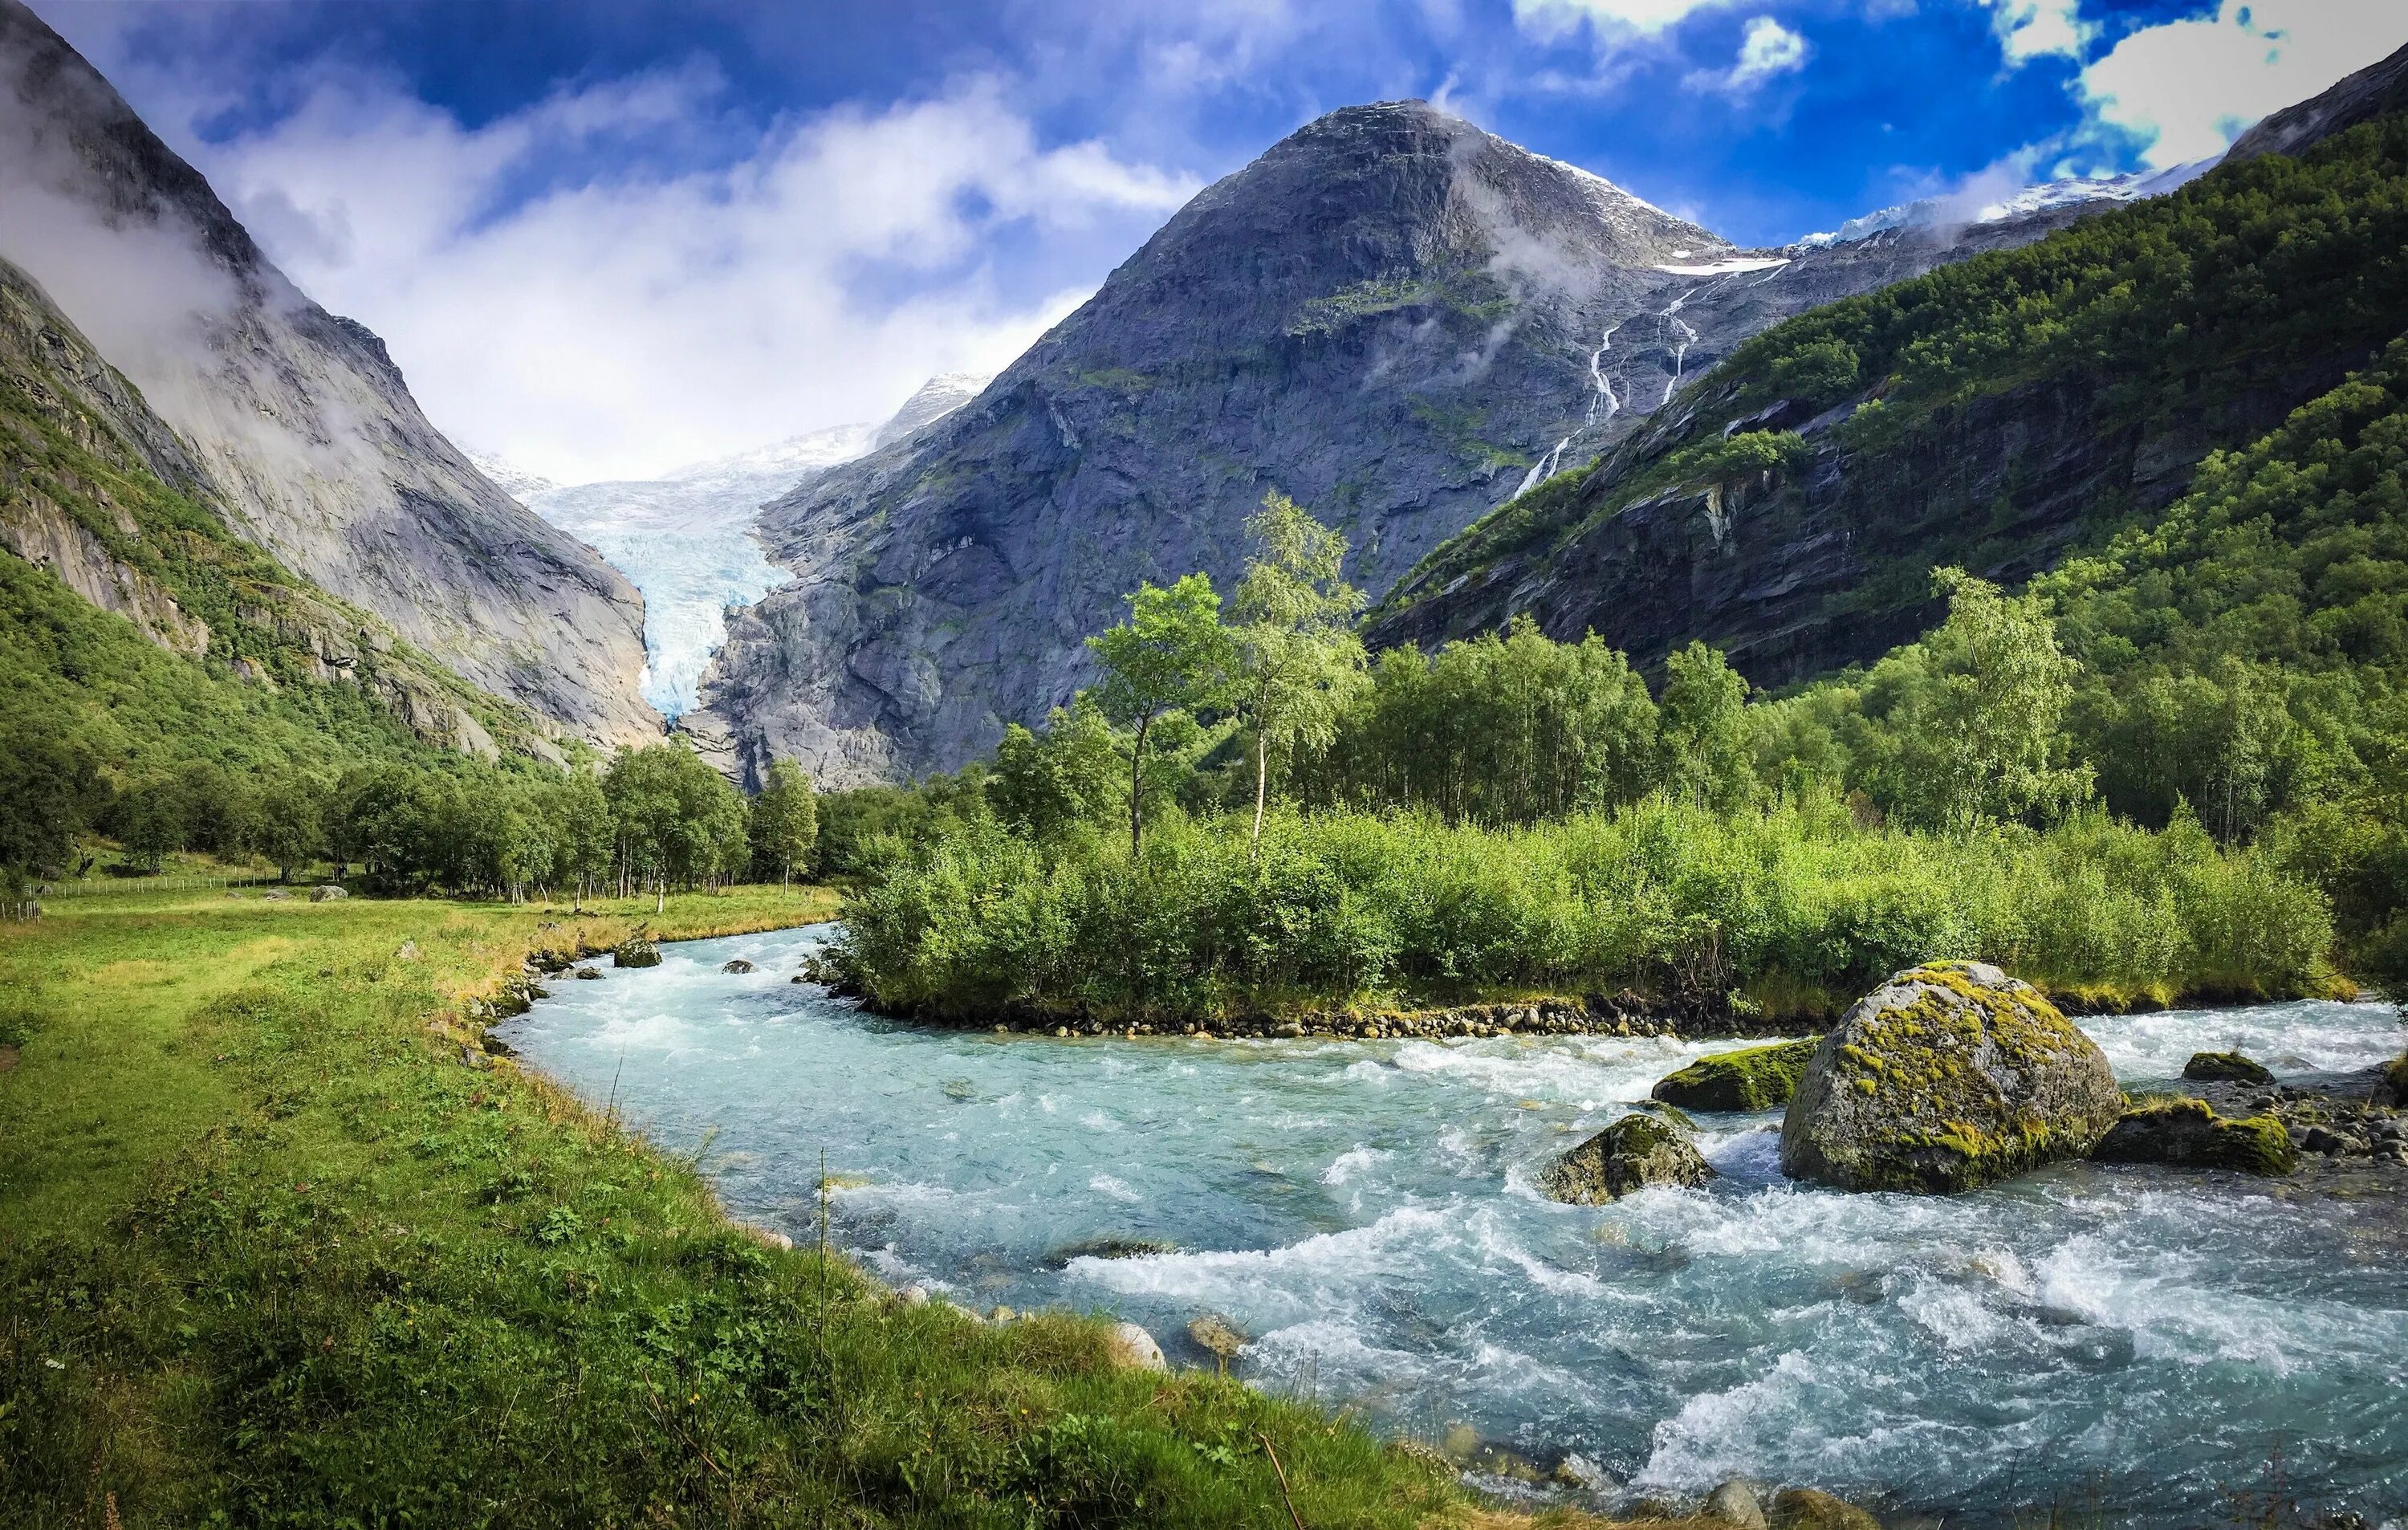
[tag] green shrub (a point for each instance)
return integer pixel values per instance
(1794, 909)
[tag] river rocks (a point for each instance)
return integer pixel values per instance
(2394, 1087)
(1218, 1337)
(737, 967)
(2227, 1068)
(326, 894)
(1634, 1152)
(1109, 1248)
(1804, 1509)
(2173, 1129)
(1949, 1076)
(1131, 1348)
(1749, 1078)
(1734, 1503)
(589, 974)
(636, 951)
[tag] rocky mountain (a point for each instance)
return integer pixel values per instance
(295, 418)
(936, 398)
(2380, 88)
(1996, 414)
(103, 496)
(1400, 319)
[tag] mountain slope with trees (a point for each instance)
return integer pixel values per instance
(1994, 414)
(1399, 318)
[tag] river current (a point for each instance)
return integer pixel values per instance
(2148, 1344)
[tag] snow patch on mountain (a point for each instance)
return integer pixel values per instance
(938, 398)
(508, 476)
(1963, 208)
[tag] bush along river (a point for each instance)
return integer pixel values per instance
(1359, 1221)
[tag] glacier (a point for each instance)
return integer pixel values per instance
(685, 539)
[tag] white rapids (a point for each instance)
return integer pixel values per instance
(2140, 1342)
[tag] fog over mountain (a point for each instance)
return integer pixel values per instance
(298, 417)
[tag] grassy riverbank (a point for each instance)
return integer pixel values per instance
(272, 1252)
(1784, 914)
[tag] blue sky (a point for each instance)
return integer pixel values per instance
(609, 236)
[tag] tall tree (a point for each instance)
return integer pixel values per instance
(1973, 733)
(292, 825)
(1298, 656)
(785, 819)
(1704, 718)
(1172, 654)
(1044, 784)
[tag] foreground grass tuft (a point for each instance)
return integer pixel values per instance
(273, 1251)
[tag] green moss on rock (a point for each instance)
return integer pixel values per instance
(1949, 1076)
(1634, 1152)
(2177, 1129)
(636, 951)
(1804, 1509)
(1749, 1078)
(2225, 1067)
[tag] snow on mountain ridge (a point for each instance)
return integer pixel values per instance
(1967, 207)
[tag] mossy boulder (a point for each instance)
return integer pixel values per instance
(1634, 1152)
(1749, 1078)
(636, 951)
(2225, 1067)
(2176, 1129)
(1949, 1076)
(1804, 1509)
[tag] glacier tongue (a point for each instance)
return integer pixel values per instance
(686, 541)
(685, 538)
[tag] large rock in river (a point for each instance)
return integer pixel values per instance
(1948, 1076)
(1749, 1078)
(2174, 1129)
(1634, 1152)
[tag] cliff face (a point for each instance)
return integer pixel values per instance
(102, 494)
(1811, 568)
(297, 419)
(1395, 317)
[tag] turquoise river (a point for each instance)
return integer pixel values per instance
(2131, 1344)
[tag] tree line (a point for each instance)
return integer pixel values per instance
(651, 820)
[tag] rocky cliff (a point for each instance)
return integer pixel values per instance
(102, 494)
(297, 419)
(1398, 319)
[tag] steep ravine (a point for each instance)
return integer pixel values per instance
(298, 419)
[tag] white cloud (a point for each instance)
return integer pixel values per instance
(1767, 49)
(2184, 89)
(1550, 19)
(617, 325)
(2030, 29)
(2188, 87)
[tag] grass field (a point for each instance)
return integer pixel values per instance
(275, 1249)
